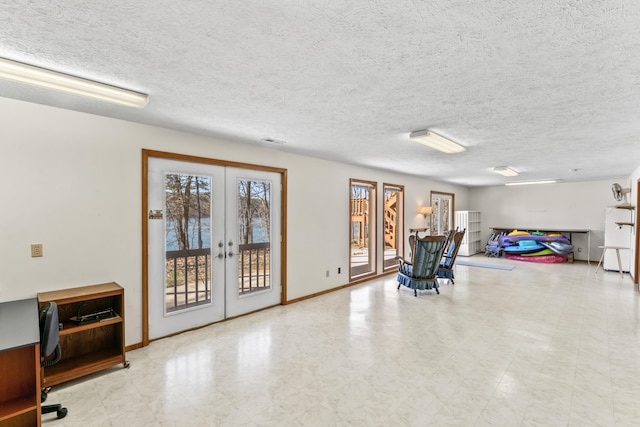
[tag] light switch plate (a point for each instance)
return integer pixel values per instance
(36, 250)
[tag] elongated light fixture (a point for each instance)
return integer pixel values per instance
(435, 141)
(545, 181)
(505, 171)
(23, 73)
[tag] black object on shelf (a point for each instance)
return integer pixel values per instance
(94, 317)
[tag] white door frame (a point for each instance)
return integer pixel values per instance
(146, 155)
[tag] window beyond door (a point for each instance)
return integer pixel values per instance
(393, 217)
(362, 236)
(443, 205)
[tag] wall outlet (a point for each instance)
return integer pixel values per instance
(339, 270)
(36, 250)
(327, 273)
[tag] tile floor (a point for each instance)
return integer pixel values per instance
(541, 345)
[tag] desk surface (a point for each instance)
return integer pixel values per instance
(19, 323)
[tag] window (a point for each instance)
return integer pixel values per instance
(362, 234)
(187, 241)
(254, 222)
(444, 205)
(393, 223)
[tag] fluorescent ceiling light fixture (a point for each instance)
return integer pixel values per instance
(546, 181)
(23, 73)
(505, 171)
(435, 141)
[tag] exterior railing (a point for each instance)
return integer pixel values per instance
(188, 281)
(255, 272)
(188, 274)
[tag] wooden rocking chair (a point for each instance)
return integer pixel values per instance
(421, 272)
(449, 258)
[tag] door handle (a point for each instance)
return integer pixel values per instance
(230, 253)
(220, 252)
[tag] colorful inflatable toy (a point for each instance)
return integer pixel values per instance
(534, 247)
(560, 248)
(545, 251)
(545, 259)
(506, 240)
(523, 247)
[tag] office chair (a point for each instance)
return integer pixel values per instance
(50, 344)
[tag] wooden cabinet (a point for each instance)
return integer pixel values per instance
(19, 364)
(471, 243)
(89, 343)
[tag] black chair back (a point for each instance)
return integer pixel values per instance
(50, 344)
(49, 333)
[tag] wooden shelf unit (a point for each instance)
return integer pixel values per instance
(631, 224)
(631, 209)
(89, 347)
(20, 390)
(19, 364)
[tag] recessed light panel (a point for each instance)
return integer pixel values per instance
(505, 171)
(437, 142)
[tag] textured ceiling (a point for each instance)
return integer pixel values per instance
(543, 87)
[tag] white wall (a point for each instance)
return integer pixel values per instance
(579, 205)
(634, 200)
(72, 182)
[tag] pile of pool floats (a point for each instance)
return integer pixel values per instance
(532, 247)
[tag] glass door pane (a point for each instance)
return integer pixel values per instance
(254, 230)
(393, 220)
(443, 205)
(187, 241)
(362, 229)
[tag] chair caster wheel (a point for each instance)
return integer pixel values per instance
(61, 413)
(44, 393)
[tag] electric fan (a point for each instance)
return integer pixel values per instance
(620, 193)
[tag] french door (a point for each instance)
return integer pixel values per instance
(214, 243)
